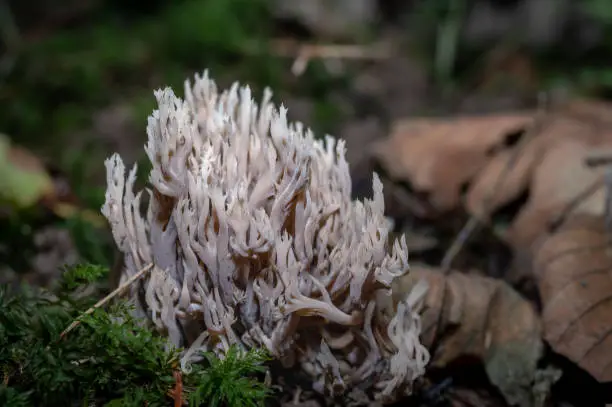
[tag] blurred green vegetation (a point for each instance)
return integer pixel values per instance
(52, 84)
(571, 62)
(96, 62)
(57, 80)
(596, 72)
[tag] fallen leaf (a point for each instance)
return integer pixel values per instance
(448, 158)
(440, 157)
(573, 268)
(570, 123)
(592, 111)
(558, 180)
(24, 180)
(505, 177)
(550, 167)
(481, 317)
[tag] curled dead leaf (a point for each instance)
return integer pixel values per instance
(560, 178)
(471, 159)
(573, 268)
(484, 318)
(545, 154)
(508, 174)
(439, 157)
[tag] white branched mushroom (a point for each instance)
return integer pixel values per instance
(255, 241)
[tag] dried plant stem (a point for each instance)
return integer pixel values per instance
(304, 53)
(106, 299)
(462, 237)
(177, 392)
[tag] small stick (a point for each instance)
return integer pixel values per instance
(304, 53)
(177, 392)
(106, 299)
(288, 48)
(462, 237)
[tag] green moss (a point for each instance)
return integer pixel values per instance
(109, 359)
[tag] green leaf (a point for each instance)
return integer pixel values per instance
(23, 179)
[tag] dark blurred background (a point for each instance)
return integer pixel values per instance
(77, 80)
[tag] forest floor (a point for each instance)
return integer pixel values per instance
(472, 208)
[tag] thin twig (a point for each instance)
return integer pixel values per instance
(460, 240)
(289, 48)
(106, 299)
(304, 53)
(177, 392)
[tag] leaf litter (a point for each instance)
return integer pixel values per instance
(534, 180)
(573, 267)
(468, 315)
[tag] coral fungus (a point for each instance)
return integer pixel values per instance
(255, 241)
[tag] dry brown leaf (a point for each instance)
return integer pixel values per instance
(570, 124)
(574, 271)
(480, 199)
(551, 166)
(547, 165)
(594, 112)
(557, 181)
(470, 315)
(441, 156)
